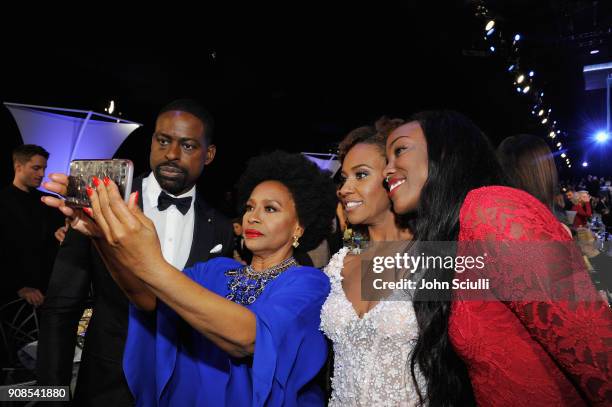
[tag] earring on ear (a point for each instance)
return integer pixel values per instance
(295, 243)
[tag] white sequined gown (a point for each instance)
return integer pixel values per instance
(371, 353)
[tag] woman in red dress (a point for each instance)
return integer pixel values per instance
(524, 347)
(582, 208)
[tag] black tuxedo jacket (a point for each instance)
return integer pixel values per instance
(77, 268)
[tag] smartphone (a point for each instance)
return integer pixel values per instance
(83, 171)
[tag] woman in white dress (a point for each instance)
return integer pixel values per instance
(372, 340)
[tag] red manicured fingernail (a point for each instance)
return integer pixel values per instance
(106, 181)
(88, 211)
(136, 197)
(89, 191)
(96, 181)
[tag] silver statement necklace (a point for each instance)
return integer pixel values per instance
(246, 285)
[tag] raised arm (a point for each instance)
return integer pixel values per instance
(131, 243)
(136, 291)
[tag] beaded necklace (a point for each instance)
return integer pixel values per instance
(246, 284)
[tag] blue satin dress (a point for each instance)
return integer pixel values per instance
(168, 363)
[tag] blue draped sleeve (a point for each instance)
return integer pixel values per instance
(289, 348)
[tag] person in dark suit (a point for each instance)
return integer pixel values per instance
(27, 243)
(189, 230)
(27, 228)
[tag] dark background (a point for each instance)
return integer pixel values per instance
(298, 87)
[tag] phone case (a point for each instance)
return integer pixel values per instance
(82, 172)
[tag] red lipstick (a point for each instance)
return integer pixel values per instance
(252, 233)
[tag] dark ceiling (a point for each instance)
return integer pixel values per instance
(300, 88)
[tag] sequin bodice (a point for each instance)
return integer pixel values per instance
(370, 353)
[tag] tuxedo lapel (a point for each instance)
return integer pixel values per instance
(203, 232)
(137, 186)
(203, 228)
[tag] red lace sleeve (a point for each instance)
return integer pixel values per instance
(576, 334)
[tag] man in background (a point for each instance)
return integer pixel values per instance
(27, 228)
(27, 243)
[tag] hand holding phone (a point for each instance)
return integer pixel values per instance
(58, 183)
(82, 172)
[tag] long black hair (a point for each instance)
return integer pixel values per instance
(461, 158)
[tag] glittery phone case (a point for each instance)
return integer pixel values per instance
(82, 172)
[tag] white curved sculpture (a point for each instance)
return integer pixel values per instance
(68, 137)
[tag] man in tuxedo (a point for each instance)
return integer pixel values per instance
(189, 231)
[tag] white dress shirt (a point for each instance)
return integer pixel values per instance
(174, 229)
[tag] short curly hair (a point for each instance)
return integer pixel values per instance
(312, 190)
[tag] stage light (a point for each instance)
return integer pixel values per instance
(491, 31)
(511, 68)
(490, 25)
(518, 89)
(520, 79)
(111, 107)
(541, 94)
(517, 37)
(545, 120)
(594, 51)
(552, 134)
(569, 166)
(531, 73)
(541, 112)
(559, 144)
(585, 164)
(563, 155)
(602, 137)
(492, 48)
(526, 89)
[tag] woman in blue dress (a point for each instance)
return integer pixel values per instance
(221, 333)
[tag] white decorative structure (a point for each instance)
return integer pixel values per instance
(326, 162)
(68, 137)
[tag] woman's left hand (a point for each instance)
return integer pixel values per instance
(130, 234)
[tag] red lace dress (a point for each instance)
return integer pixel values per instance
(530, 352)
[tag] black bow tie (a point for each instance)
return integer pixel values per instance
(182, 204)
